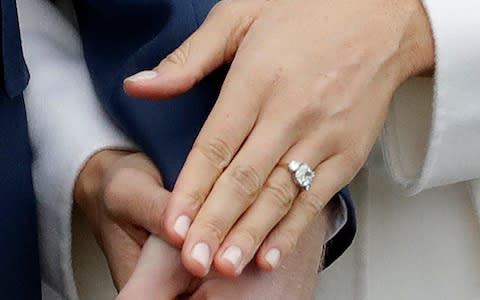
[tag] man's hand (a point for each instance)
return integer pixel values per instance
(160, 275)
(123, 198)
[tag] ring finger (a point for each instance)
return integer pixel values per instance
(233, 193)
(282, 240)
(272, 204)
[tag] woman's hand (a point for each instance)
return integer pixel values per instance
(310, 81)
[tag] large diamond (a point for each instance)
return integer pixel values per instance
(304, 176)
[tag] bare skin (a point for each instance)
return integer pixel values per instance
(309, 81)
(160, 275)
(122, 196)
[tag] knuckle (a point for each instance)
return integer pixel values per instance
(214, 228)
(245, 180)
(354, 159)
(236, 35)
(282, 194)
(194, 199)
(180, 55)
(115, 191)
(110, 196)
(356, 57)
(290, 238)
(270, 75)
(312, 203)
(238, 16)
(180, 58)
(250, 235)
(154, 216)
(275, 75)
(217, 151)
(310, 110)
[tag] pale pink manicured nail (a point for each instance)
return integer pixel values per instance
(182, 224)
(233, 254)
(201, 253)
(143, 76)
(273, 257)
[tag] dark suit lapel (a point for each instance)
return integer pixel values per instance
(19, 263)
(14, 70)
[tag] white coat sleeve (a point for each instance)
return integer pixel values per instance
(67, 126)
(433, 138)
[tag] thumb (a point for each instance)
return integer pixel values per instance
(213, 44)
(133, 195)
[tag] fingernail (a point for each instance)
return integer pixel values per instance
(273, 257)
(182, 224)
(142, 76)
(201, 253)
(233, 254)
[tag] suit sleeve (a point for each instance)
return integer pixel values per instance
(67, 126)
(433, 138)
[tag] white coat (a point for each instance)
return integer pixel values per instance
(426, 246)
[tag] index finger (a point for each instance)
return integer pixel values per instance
(226, 128)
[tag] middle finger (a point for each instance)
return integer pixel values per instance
(271, 205)
(234, 192)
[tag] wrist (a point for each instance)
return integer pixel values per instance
(89, 182)
(417, 51)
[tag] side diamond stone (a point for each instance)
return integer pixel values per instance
(293, 166)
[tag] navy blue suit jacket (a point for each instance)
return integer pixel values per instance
(123, 37)
(19, 267)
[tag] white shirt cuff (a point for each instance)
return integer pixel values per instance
(337, 216)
